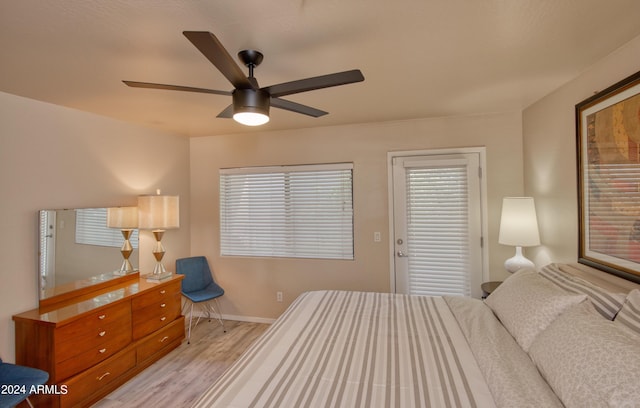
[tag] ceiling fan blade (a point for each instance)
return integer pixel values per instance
(309, 84)
(150, 85)
(296, 107)
(215, 52)
(227, 113)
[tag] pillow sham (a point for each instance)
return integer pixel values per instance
(526, 303)
(589, 361)
(629, 315)
(605, 302)
(513, 379)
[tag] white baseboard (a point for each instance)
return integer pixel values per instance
(250, 319)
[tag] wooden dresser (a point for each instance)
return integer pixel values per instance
(91, 341)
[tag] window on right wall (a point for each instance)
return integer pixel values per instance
(287, 211)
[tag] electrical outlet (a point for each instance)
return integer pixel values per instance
(279, 296)
(377, 237)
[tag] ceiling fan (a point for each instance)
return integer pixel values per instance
(250, 102)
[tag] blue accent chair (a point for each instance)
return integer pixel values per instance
(17, 381)
(199, 288)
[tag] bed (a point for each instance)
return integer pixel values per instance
(547, 338)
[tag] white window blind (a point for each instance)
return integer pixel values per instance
(91, 229)
(287, 211)
(438, 230)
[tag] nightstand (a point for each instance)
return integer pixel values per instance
(489, 287)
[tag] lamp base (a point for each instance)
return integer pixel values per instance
(159, 272)
(158, 276)
(122, 272)
(517, 262)
(126, 251)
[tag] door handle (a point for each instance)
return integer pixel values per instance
(402, 254)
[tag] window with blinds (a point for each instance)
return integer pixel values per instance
(91, 229)
(287, 211)
(438, 230)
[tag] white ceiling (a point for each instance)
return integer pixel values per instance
(420, 58)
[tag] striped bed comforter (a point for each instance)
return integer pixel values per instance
(356, 349)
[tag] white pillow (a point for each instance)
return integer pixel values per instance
(589, 361)
(526, 303)
(629, 315)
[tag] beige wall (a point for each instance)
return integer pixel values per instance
(550, 153)
(251, 284)
(53, 157)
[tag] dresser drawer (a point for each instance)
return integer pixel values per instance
(155, 316)
(157, 295)
(92, 331)
(93, 355)
(85, 384)
(161, 339)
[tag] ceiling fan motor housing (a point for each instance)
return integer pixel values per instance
(251, 100)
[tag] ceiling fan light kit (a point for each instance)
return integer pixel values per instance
(251, 107)
(250, 102)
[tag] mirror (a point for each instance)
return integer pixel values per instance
(76, 244)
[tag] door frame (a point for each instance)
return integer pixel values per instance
(481, 151)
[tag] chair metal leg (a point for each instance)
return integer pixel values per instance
(224, 330)
(185, 305)
(209, 308)
(214, 311)
(190, 319)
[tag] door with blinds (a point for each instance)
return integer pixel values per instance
(437, 224)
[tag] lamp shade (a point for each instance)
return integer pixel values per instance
(122, 217)
(159, 212)
(518, 223)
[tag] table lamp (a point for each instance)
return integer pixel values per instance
(126, 219)
(158, 213)
(518, 227)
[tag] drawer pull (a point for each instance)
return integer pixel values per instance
(102, 351)
(163, 339)
(101, 317)
(102, 376)
(163, 305)
(102, 333)
(162, 292)
(163, 318)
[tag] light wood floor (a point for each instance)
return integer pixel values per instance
(180, 377)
